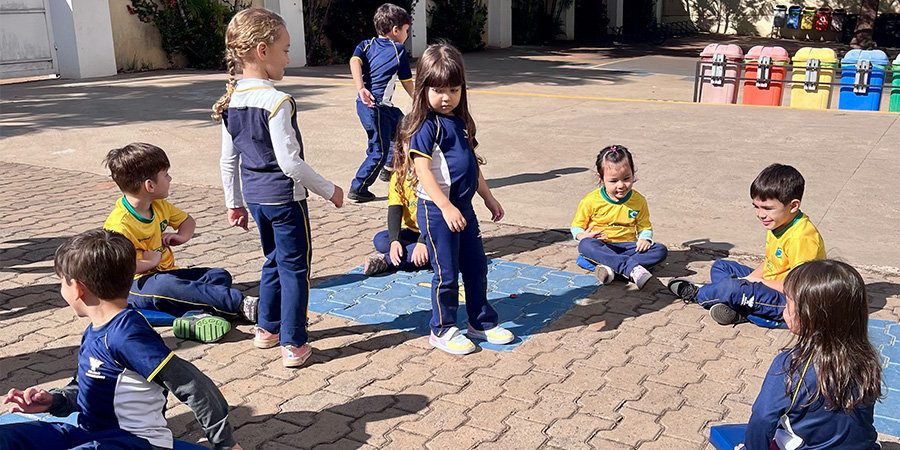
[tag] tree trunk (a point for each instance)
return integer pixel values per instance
(865, 26)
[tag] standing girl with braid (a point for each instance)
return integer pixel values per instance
(440, 135)
(263, 168)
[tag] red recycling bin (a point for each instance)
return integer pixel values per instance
(823, 18)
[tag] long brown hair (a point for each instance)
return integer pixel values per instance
(440, 66)
(246, 30)
(832, 313)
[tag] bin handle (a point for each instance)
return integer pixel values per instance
(810, 83)
(762, 73)
(861, 80)
(718, 70)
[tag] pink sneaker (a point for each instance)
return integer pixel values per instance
(295, 356)
(264, 339)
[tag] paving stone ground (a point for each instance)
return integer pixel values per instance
(622, 369)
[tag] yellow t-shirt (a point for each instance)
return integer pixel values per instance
(407, 199)
(146, 234)
(622, 220)
(799, 242)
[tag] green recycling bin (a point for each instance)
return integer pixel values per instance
(895, 91)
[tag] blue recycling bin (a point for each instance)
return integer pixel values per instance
(793, 17)
(862, 77)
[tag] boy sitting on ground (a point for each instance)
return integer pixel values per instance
(737, 291)
(124, 368)
(142, 214)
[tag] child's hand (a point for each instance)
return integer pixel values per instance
(420, 255)
(338, 197)
(237, 217)
(494, 207)
(152, 257)
(642, 245)
(738, 447)
(455, 220)
(236, 447)
(29, 401)
(396, 253)
(367, 98)
(589, 234)
(170, 239)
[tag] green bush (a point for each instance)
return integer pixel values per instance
(537, 21)
(349, 22)
(314, 15)
(193, 28)
(460, 22)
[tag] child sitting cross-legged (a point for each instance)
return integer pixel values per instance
(124, 367)
(199, 297)
(738, 291)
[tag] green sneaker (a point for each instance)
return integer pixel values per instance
(200, 327)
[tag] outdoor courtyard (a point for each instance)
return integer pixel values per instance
(595, 367)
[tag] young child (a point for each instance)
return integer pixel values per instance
(823, 388)
(737, 291)
(440, 135)
(612, 223)
(260, 135)
(399, 248)
(376, 65)
(142, 214)
(124, 368)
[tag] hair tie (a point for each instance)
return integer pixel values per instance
(613, 148)
(229, 87)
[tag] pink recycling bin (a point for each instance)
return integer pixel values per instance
(717, 62)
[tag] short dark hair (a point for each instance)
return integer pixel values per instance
(388, 16)
(135, 163)
(780, 182)
(614, 154)
(103, 261)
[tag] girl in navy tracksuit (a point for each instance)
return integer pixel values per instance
(824, 388)
(440, 136)
(263, 168)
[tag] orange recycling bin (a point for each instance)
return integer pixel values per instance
(766, 66)
(720, 61)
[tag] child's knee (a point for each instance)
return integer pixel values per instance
(588, 244)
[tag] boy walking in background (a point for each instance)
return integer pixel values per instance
(376, 65)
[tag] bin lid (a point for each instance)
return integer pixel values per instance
(795, 8)
(732, 52)
(776, 53)
(877, 57)
(824, 55)
(780, 8)
(840, 11)
(809, 10)
(824, 10)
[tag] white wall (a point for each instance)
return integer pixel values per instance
(83, 34)
(292, 13)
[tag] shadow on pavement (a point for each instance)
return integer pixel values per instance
(343, 425)
(523, 178)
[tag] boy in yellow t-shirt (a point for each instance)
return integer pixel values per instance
(142, 214)
(737, 291)
(401, 246)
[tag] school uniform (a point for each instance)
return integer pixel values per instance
(444, 140)
(168, 288)
(384, 62)
(788, 247)
(818, 426)
(120, 387)
(624, 221)
(260, 135)
(402, 225)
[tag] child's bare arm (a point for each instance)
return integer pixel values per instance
(185, 233)
(356, 70)
(147, 260)
(490, 202)
(409, 86)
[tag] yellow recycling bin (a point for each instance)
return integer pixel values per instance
(812, 67)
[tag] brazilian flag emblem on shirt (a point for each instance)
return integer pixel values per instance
(632, 214)
(778, 253)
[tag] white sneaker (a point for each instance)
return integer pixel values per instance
(452, 342)
(604, 273)
(497, 335)
(640, 276)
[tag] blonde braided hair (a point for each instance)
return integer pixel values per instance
(246, 30)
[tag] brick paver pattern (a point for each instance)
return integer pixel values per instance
(621, 369)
